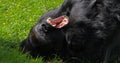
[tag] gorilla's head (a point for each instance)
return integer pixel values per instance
(45, 37)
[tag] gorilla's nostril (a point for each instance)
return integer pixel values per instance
(44, 28)
(43, 25)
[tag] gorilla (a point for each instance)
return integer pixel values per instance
(44, 39)
(78, 31)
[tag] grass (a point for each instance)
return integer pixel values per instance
(16, 19)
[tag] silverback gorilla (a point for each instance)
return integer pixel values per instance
(78, 30)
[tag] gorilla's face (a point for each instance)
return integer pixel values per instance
(49, 32)
(45, 37)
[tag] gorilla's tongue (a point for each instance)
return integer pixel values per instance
(58, 22)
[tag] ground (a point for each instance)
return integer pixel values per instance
(16, 19)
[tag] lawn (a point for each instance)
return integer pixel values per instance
(16, 19)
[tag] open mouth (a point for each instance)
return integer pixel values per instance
(58, 22)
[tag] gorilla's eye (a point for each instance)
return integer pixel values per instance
(44, 28)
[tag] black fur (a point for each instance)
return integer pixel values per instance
(93, 32)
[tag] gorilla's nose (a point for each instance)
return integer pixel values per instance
(45, 27)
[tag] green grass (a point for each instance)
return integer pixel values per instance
(16, 19)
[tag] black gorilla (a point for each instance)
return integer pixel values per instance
(43, 39)
(92, 33)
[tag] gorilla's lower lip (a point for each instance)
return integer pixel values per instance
(58, 22)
